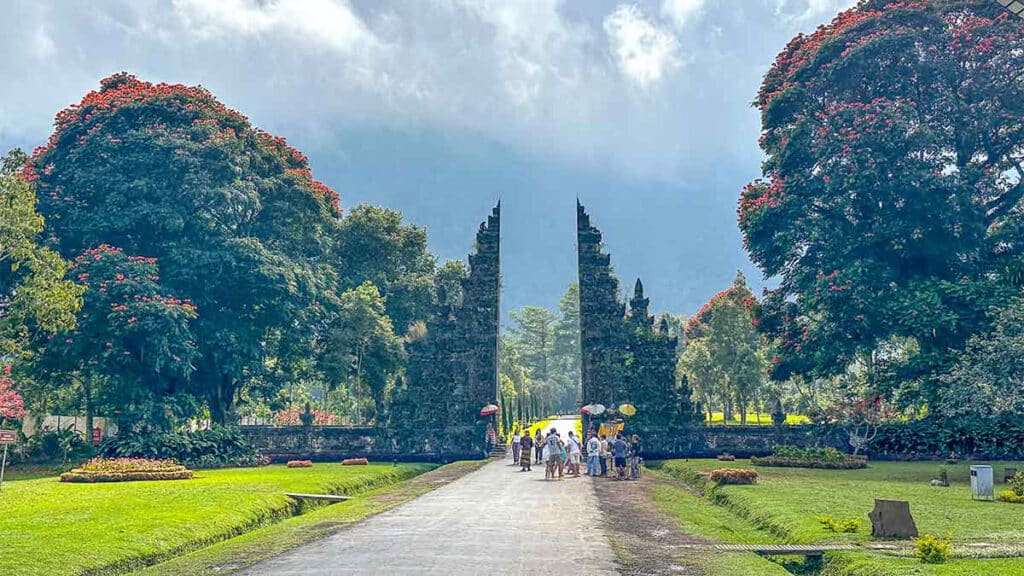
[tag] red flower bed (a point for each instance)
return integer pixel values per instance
(126, 470)
(722, 476)
(355, 462)
(300, 463)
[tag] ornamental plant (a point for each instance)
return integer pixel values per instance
(300, 463)
(126, 470)
(839, 526)
(723, 476)
(12, 405)
(932, 549)
(889, 201)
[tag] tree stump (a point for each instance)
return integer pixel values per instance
(892, 519)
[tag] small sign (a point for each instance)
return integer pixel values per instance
(97, 435)
(8, 437)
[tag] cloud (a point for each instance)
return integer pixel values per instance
(638, 89)
(643, 52)
(681, 12)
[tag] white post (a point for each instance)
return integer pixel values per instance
(3, 465)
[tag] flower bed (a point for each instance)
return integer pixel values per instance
(300, 463)
(355, 462)
(826, 458)
(722, 476)
(726, 457)
(126, 470)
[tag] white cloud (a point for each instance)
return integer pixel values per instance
(42, 45)
(643, 52)
(329, 23)
(681, 12)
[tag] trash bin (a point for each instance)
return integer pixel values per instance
(981, 483)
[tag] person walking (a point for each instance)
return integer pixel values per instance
(516, 438)
(538, 446)
(553, 447)
(593, 454)
(526, 453)
(619, 448)
(492, 438)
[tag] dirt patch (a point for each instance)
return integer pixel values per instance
(646, 541)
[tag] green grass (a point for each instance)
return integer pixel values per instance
(786, 502)
(755, 419)
(115, 527)
(269, 541)
(699, 517)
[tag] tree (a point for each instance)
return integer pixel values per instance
(374, 246)
(363, 347)
(565, 349)
(12, 406)
(729, 357)
(987, 378)
(33, 289)
(696, 366)
(232, 213)
(533, 332)
(132, 349)
(889, 207)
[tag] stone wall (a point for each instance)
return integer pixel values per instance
(335, 443)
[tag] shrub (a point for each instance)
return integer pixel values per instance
(217, 447)
(1010, 496)
(726, 457)
(56, 446)
(848, 525)
(300, 463)
(126, 470)
(355, 462)
(723, 476)
(813, 457)
(1017, 483)
(932, 549)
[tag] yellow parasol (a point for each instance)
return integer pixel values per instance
(627, 409)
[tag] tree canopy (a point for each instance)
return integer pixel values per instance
(889, 208)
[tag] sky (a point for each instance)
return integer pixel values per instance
(438, 108)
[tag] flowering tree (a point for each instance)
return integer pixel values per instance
(11, 404)
(889, 204)
(133, 345)
(232, 213)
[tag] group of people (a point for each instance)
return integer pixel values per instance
(616, 455)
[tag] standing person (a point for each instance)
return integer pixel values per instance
(606, 453)
(538, 446)
(619, 448)
(492, 438)
(555, 452)
(516, 438)
(634, 457)
(526, 453)
(575, 454)
(593, 454)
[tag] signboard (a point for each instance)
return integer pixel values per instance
(8, 437)
(97, 435)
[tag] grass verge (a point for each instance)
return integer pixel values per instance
(787, 501)
(248, 549)
(114, 528)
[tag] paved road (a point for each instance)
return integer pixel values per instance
(494, 521)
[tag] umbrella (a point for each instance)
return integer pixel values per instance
(588, 409)
(489, 409)
(597, 409)
(627, 409)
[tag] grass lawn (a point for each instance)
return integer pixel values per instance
(116, 527)
(755, 419)
(786, 502)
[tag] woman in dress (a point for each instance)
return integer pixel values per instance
(538, 446)
(526, 453)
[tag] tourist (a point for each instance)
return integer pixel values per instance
(593, 454)
(526, 453)
(619, 448)
(575, 454)
(555, 450)
(492, 438)
(515, 445)
(634, 457)
(538, 446)
(606, 454)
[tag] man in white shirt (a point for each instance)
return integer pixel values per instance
(593, 454)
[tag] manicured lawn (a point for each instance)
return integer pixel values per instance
(112, 528)
(752, 419)
(783, 507)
